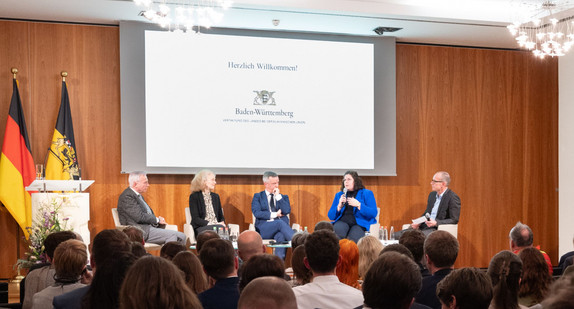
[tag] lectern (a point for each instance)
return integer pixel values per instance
(75, 205)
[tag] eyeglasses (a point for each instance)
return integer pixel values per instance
(436, 181)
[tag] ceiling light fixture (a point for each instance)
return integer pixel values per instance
(549, 31)
(183, 15)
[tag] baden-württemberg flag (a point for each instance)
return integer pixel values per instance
(62, 161)
(17, 169)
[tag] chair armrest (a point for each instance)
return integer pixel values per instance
(374, 230)
(451, 228)
(251, 227)
(189, 233)
(406, 226)
(171, 227)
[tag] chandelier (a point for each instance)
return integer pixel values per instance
(547, 31)
(183, 15)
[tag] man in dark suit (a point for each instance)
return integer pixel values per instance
(443, 205)
(270, 209)
(133, 210)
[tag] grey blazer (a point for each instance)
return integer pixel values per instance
(133, 212)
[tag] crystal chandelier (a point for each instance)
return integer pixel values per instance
(548, 31)
(183, 15)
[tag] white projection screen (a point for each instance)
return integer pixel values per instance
(242, 102)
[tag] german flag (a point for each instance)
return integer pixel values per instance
(62, 161)
(17, 169)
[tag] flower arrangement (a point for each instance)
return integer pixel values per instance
(46, 221)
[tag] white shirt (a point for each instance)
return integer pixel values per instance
(277, 198)
(327, 292)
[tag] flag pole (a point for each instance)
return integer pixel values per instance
(18, 278)
(64, 75)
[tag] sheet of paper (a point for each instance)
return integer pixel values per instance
(419, 220)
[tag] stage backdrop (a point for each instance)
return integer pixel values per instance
(489, 117)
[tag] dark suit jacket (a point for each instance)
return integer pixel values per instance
(427, 294)
(70, 300)
(133, 212)
(223, 295)
(448, 209)
(260, 208)
(198, 212)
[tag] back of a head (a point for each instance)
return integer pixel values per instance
(397, 248)
(521, 235)
(54, 239)
(298, 239)
(138, 249)
(414, 240)
(70, 259)
(441, 248)
(267, 293)
(134, 233)
(104, 290)
(194, 276)
(261, 265)
(369, 249)
(301, 272)
(470, 287)
(392, 282)
(560, 296)
(154, 282)
(107, 242)
(203, 237)
(249, 243)
(170, 249)
(218, 258)
(324, 225)
(535, 280)
(348, 267)
(505, 270)
(322, 251)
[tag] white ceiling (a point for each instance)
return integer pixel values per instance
(452, 22)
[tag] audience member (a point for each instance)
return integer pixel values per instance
(261, 265)
(398, 248)
(203, 237)
(170, 249)
(505, 270)
(566, 259)
(369, 249)
(354, 208)
(441, 251)
(70, 261)
(204, 204)
(560, 296)
(42, 276)
(133, 210)
(138, 250)
(302, 274)
(298, 239)
(267, 293)
(220, 264)
(392, 282)
(134, 233)
(324, 225)
(465, 288)
(106, 243)
(521, 237)
(104, 292)
(194, 276)
(443, 206)
(414, 240)
(535, 279)
(348, 267)
(249, 243)
(154, 282)
(325, 290)
(271, 210)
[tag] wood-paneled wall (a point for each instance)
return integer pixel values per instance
(488, 117)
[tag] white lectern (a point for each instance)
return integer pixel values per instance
(74, 206)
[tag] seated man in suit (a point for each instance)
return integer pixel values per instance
(443, 206)
(133, 210)
(270, 209)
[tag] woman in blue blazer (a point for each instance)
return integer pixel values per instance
(354, 208)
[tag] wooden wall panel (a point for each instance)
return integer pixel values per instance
(488, 117)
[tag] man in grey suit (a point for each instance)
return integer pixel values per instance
(133, 210)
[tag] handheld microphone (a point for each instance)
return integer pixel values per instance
(427, 215)
(345, 192)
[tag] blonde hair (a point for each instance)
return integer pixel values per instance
(198, 182)
(369, 249)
